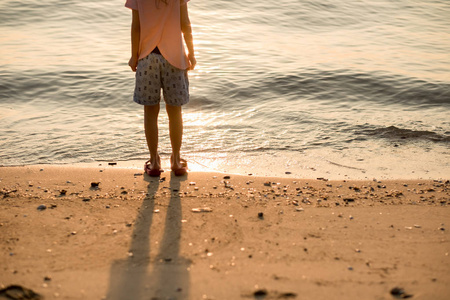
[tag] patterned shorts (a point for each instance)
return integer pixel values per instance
(155, 73)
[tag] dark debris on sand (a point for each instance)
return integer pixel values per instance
(17, 292)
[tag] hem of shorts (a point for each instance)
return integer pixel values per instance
(182, 104)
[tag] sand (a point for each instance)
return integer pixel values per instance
(219, 236)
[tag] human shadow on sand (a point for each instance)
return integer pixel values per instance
(146, 276)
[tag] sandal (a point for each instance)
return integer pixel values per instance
(152, 172)
(183, 170)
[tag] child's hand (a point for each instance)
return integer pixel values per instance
(133, 63)
(193, 61)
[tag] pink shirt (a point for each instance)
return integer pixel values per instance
(161, 27)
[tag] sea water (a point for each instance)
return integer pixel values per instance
(327, 88)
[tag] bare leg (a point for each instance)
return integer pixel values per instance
(176, 135)
(151, 134)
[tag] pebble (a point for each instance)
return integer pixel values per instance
(95, 184)
(400, 293)
(226, 177)
(200, 210)
(260, 293)
(261, 215)
(41, 207)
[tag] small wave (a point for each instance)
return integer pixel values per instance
(63, 87)
(350, 86)
(392, 132)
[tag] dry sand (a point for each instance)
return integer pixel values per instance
(136, 237)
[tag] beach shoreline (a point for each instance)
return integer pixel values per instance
(104, 232)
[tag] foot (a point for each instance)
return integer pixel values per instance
(178, 166)
(153, 167)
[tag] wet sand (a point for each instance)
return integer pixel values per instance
(108, 233)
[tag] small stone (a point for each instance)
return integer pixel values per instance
(400, 293)
(267, 183)
(112, 164)
(62, 192)
(41, 207)
(201, 210)
(95, 184)
(226, 177)
(261, 215)
(287, 173)
(260, 293)
(47, 278)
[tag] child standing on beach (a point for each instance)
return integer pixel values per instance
(159, 59)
